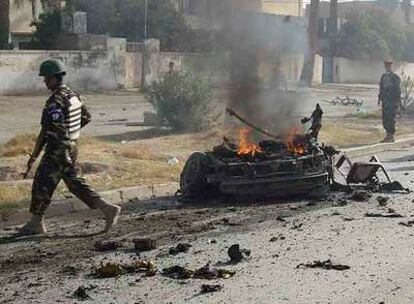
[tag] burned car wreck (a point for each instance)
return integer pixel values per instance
(281, 166)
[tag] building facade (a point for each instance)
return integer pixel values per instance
(283, 7)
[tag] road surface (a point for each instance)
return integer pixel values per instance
(378, 251)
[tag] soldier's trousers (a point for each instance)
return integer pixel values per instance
(389, 114)
(52, 169)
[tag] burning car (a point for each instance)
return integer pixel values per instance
(289, 165)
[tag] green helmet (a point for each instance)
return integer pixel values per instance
(52, 67)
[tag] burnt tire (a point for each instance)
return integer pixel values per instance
(193, 180)
(319, 192)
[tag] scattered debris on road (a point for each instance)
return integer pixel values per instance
(407, 224)
(273, 239)
(342, 202)
(348, 219)
(81, 293)
(107, 245)
(280, 218)
(113, 269)
(328, 265)
(236, 254)
(178, 272)
(297, 226)
(210, 273)
(361, 196)
(390, 215)
(180, 248)
(141, 266)
(382, 200)
(206, 288)
(70, 271)
(227, 222)
(145, 244)
(109, 270)
(206, 272)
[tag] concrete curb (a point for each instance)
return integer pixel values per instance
(380, 147)
(141, 194)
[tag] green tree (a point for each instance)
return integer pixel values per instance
(47, 27)
(371, 35)
(126, 18)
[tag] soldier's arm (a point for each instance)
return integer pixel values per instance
(398, 88)
(86, 116)
(41, 138)
(40, 143)
(380, 91)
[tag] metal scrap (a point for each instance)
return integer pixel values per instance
(407, 224)
(390, 215)
(144, 244)
(206, 272)
(180, 248)
(236, 254)
(361, 196)
(328, 265)
(107, 245)
(113, 269)
(81, 293)
(178, 272)
(206, 288)
(382, 200)
(210, 273)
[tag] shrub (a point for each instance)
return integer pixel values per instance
(183, 100)
(19, 145)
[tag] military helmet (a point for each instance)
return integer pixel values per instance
(52, 67)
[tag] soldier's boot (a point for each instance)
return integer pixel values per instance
(35, 226)
(389, 138)
(111, 213)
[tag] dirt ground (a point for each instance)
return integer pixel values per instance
(281, 235)
(110, 111)
(141, 156)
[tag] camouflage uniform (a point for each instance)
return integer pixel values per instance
(390, 96)
(62, 118)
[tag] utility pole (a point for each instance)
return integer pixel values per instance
(4, 24)
(332, 36)
(145, 20)
(309, 62)
(406, 4)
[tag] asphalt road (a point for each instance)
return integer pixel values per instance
(377, 250)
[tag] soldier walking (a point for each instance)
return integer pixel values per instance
(390, 97)
(64, 115)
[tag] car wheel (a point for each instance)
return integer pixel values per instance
(193, 180)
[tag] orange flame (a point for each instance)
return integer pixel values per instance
(295, 147)
(246, 146)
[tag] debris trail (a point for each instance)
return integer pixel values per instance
(328, 265)
(392, 215)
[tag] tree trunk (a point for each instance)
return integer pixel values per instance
(4, 23)
(306, 77)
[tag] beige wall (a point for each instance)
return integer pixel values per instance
(87, 71)
(365, 72)
(283, 7)
(21, 16)
(291, 67)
